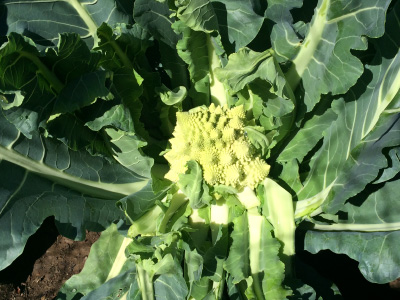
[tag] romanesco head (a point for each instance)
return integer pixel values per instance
(215, 138)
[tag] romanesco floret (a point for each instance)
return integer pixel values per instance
(215, 138)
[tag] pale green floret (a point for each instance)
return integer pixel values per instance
(208, 127)
(241, 149)
(228, 134)
(219, 110)
(214, 137)
(208, 157)
(211, 174)
(213, 119)
(237, 112)
(232, 175)
(222, 122)
(226, 157)
(236, 122)
(215, 134)
(209, 143)
(256, 171)
(220, 144)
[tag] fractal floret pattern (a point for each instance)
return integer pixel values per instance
(215, 138)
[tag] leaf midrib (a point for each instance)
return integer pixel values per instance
(93, 188)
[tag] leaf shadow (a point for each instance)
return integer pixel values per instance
(38, 39)
(3, 24)
(371, 188)
(35, 247)
(222, 16)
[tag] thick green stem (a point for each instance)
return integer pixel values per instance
(145, 283)
(219, 216)
(121, 54)
(84, 15)
(309, 46)
(218, 92)
(218, 287)
(248, 198)
(379, 227)
(255, 222)
(55, 83)
(278, 208)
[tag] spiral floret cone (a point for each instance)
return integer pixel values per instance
(215, 138)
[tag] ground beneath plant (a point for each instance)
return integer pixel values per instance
(50, 259)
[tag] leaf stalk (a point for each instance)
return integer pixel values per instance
(55, 83)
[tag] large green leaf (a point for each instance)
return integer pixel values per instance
(63, 80)
(261, 65)
(123, 44)
(28, 199)
(308, 136)
(75, 169)
(44, 20)
(154, 16)
(117, 116)
(367, 232)
(198, 15)
(358, 113)
(262, 88)
(324, 56)
(48, 177)
(367, 160)
(238, 22)
(71, 58)
(194, 267)
(81, 92)
(238, 261)
(27, 81)
(16, 55)
(193, 49)
(170, 286)
(285, 38)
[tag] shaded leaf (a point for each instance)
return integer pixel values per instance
(325, 56)
(32, 18)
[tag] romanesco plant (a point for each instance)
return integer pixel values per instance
(215, 138)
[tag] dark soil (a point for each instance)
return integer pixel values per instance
(48, 260)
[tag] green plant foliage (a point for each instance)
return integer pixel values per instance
(200, 137)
